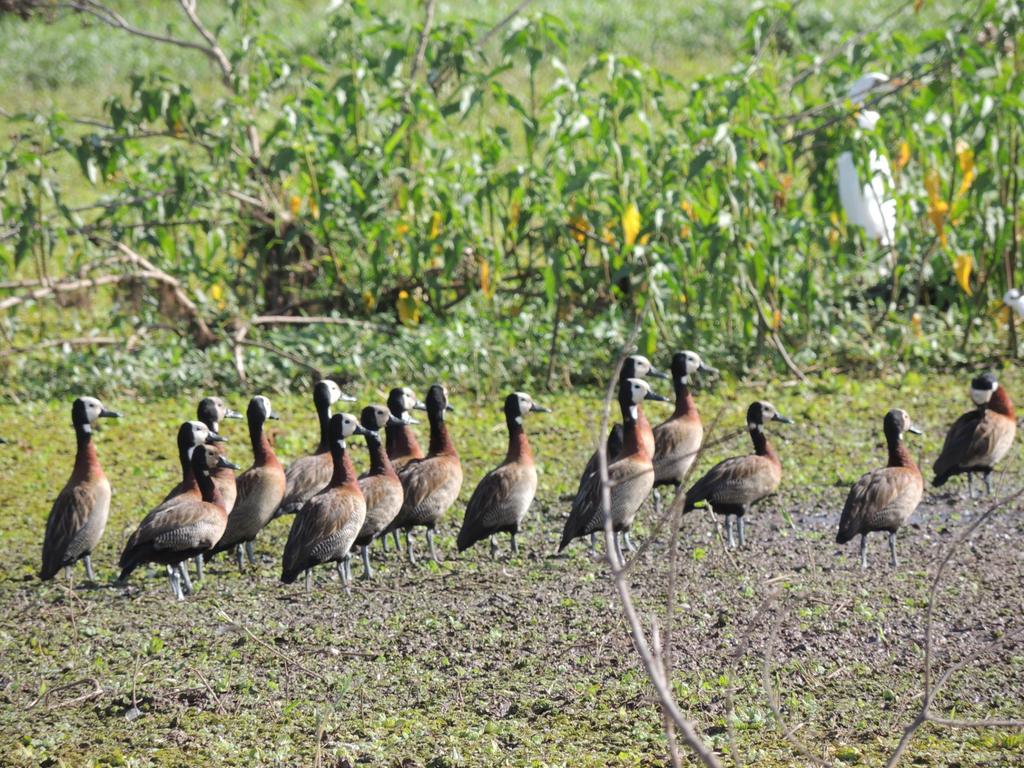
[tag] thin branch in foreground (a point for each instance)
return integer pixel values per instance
(652, 665)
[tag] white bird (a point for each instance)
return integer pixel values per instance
(869, 206)
(1014, 299)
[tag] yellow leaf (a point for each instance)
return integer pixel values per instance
(902, 156)
(607, 236)
(965, 183)
(401, 228)
(917, 5)
(216, 292)
(630, 223)
(435, 225)
(932, 186)
(579, 226)
(645, 238)
(369, 300)
(937, 213)
(314, 209)
(965, 157)
(408, 309)
(684, 232)
(776, 320)
(295, 204)
(514, 212)
(485, 279)
(962, 266)
(915, 323)
(687, 207)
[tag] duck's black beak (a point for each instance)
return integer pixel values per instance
(223, 461)
(652, 395)
(407, 419)
(215, 438)
(448, 407)
(655, 373)
(346, 398)
(397, 422)
(229, 414)
(539, 408)
(274, 416)
(419, 405)
(915, 430)
(361, 430)
(704, 367)
(106, 413)
(783, 419)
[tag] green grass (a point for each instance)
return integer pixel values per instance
(516, 662)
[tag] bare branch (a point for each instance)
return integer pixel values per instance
(216, 53)
(421, 49)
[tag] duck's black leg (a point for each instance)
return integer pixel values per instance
(185, 580)
(494, 547)
(408, 545)
(626, 540)
(239, 558)
(367, 568)
(515, 544)
(88, 568)
(250, 552)
(199, 569)
(742, 531)
(892, 548)
(988, 482)
(430, 541)
(863, 550)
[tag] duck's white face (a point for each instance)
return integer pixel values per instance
(693, 362)
(200, 433)
(263, 403)
(409, 400)
(641, 365)
(348, 426)
(980, 396)
(93, 408)
(333, 390)
(525, 403)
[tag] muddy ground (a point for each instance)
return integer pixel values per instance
(521, 661)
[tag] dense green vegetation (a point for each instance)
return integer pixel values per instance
(523, 187)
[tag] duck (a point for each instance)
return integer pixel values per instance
(324, 530)
(400, 440)
(431, 484)
(191, 434)
(979, 439)
(182, 528)
(211, 411)
(380, 485)
(308, 475)
(630, 475)
(733, 486)
(504, 495)
(633, 367)
(401, 443)
(260, 488)
(80, 512)
(678, 439)
(885, 498)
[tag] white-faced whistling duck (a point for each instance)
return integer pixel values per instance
(80, 512)
(191, 434)
(380, 484)
(212, 411)
(884, 499)
(181, 528)
(979, 439)
(260, 488)
(431, 484)
(633, 367)
(630, 475)
(503, 496)
(309, 474)
(733, 486)
(678, 439)
(401, 442)
(324, 530)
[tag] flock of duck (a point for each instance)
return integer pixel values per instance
(213, 510)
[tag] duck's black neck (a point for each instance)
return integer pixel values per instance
(380, 464)
(323, 414)
(518, 444)
(440, 440)
(344, 472)
(685, 405)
